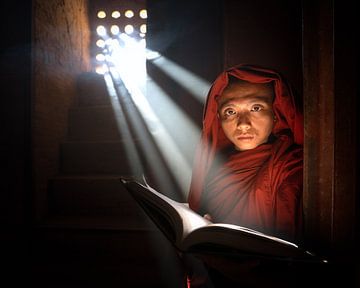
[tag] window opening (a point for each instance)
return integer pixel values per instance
(119, 35)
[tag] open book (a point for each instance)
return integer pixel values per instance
(190, 232)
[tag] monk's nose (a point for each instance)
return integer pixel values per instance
(243, 121)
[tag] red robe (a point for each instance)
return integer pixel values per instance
(259, 188)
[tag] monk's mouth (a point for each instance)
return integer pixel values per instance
(244, 138)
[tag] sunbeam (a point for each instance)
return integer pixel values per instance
(151, 113)
(191, 82)
(174, 159)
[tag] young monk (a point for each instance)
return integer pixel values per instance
(248, 167)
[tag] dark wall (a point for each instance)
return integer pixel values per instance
(15, 69)
(15, 107)
(267, 33)
(189, 33)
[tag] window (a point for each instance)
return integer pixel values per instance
(120, 23)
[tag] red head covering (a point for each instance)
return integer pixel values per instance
(289, 121)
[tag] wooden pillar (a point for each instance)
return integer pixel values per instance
(318, 121)
(330, 131)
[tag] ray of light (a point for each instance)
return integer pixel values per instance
(191, 82)
(127, 71)
(172, 156)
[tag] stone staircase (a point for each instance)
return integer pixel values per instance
(96, 235)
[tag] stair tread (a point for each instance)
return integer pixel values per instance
(88, 177)
(95, 107)
(96, 222)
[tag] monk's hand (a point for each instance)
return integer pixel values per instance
(208, 217)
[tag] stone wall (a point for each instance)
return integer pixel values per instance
(61, 38)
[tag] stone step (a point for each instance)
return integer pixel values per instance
(92, 90)
(95, 196)
(96, 123)
(110, 157)
(103, 258)
(99, 222)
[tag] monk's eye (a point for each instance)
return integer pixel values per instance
(229, 112)
(256, 108)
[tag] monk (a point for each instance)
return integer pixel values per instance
(248, 167)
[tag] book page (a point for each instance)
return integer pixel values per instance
(190, 220)
(165, 212)
(228, 238)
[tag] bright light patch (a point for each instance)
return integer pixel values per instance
(151, 55)
(101, 30)
(108, 58)
(129, 29)
(101, 14)
(143, 13)
(143, 28)
(108, 42)
(100, 43)
(142, 43)
(115, 14)
(115, 30)
(132, 56)
(129, 13)
(102, 69)
(100, 57)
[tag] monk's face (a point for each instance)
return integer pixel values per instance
(246, 115)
